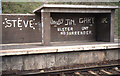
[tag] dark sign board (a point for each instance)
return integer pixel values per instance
(80, 26)
(103, 27)
(21, 28)
(64, 27)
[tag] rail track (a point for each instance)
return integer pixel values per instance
(109, 70)
(105, 68)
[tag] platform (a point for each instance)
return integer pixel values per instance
(37, 48)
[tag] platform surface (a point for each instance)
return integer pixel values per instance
(36, 48)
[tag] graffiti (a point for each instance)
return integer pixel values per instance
(65, 29)
(104, 20)
(70, 22)
(57, 22)
(89, 20)
(20, 23)
(76, 33)
(85, 28)
(67, 26)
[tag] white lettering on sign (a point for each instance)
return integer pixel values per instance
(72, 31)
(8, 24)
(70, 22)
(104, 20)
(85, 28)
(75, 32)
(65, 29)
(20, 23)
(57, 22)
(69, 26)
(89, 20)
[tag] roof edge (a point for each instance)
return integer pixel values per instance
(75, 6)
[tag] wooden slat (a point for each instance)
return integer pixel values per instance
(78, 74)
(91, 72)
(106, 72)
(62, 74)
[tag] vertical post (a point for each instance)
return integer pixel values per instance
(0, 7)
(45, 19)
(0, 37)
(0, 23)
(119, 22)
(112, 25)
(119, 30)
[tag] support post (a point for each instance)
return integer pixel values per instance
(45, 19)
(0, 7)
(0, 36)
(112, 25)
(119, 22)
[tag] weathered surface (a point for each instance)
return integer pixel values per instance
(45, 20)
(80, 23)
(21, 28)
(112, 54)
(103, 29)
(73, 27)
(0, 31)
(76, 23)
(97, 20)
(13, 62)
(35, 48)
(41, 61)
(61, 59)
(50, 60)
(90, 57)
